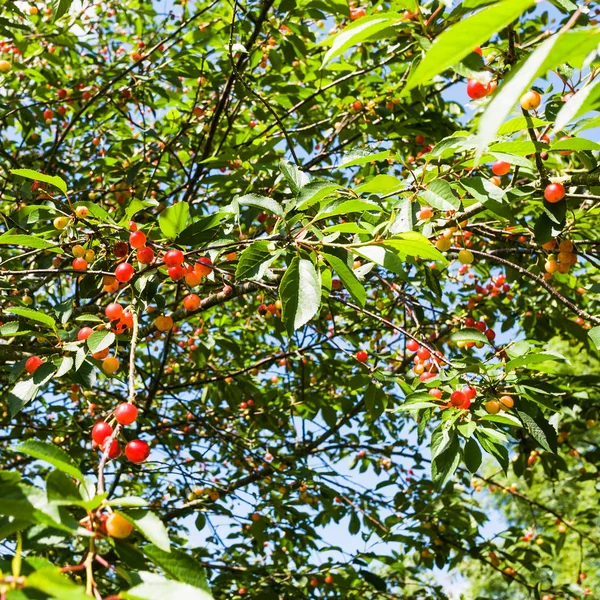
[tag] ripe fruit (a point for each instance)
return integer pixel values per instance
(48, 114)
(84, 333)
(137, 451)
(357, 105)
(173, 258)
(32, 364)
(500, 167)
(101, 355)
(492, 406)
(458, 398)
(78, 251)
(191, 302)
(163, 323)
(176, 273)
(115, 449)
(124, 272)
(419, 139)
(412, 345)
(145, 255)
(81, 212)
(425, 213)
(328, 580)
(530, 100)
(362, 356)
(465, 257)
(126, 413)
(110, 365)
(4, 66)
(101, 432)
(114, 311)
(80, 264)
(121, 249)
(118, 527)
(137, 239)
(554, 192)
(203, 266)
(476, 89)
(506, 402)
(60, 223)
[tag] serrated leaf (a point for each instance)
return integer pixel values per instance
(439, 194)
(262, 202)
(66, 365)
(254, 261)
(33, 315)
(417, 401)
(468, 335)
(357, 32)
(21, 394)
(150, 526)
(201, 229)
(129, 501)
(300, 293)
(594, 334)
(51, 179)
(538, 427)
(51, 581)
(60, 8)
(52, 455)
(346, 207)
(361, 156)
(100, 340)
(348, 278)
(29, 241)
(314, 192)
(576, 144)
(296, 178)
(445, 463)
(532, 358)
(458, 41)
(160, 590)
(179, 565)
(380, 184)
(172, 220)
(413, 243)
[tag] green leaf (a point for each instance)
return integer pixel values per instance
(150, 526)
(300, 293)
(594, 334)
(458, 41)
(52, 455)
(100, 340)
(133, 501)
(20, 395)
(262, 202)
(381, 256)
(417, 401)
(179, 565)
(520, 123)
(472, 455)
(440, 195)
(348, 278)
(296, 178)
(445, 463)
(33, 315)
(51, 179)
(413, 243)
(468, 335)
(347, 207)
(362, 156)
(28, 241)
(255, 260)
(496, 449)
(136, 206)
(532, 359)
(490, 195)
(357, 32)
(199, 230)
(577, 144)
(314, 192)
(583, 101)
(375, 401)
(56, 584)
(537, 426)
(59, 8)
(161, 590)
(569, 46)
(172, 221)
(380, 184)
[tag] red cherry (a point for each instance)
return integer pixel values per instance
(32, 364)
(500, 167)
(436, 393)
(554, 192)
(476, 89)
(173, 258)
(176, 273)
(412, 345)
(423, 353)
(137, 239)
(419, 139)
(481, 326)
(115, 449)
(465, 405)
(145, 255)
(426, 376)
(137, 451)
(490, 334)
(48, 114)
(127, 319)
(121, 249)
(362, 356)
(191, 302)
(203, 266)
(101, 432)
(114, 311)
(126, 413)
(124, 272)
(469, 391)
(132, 226)
(84, 333)
(62, 94)
(80, 264)
(478, 50)
(469, 322)
(458, 398)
